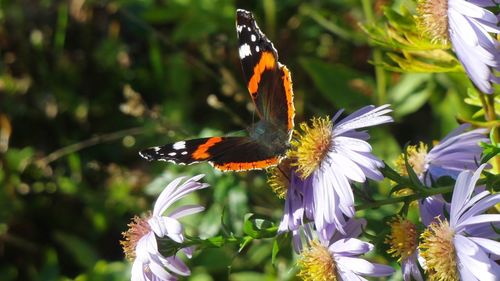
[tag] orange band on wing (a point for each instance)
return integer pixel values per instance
(267, 61)
(201, 153)
(240, 166)
(287, 83)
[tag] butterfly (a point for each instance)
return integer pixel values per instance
(270, 86)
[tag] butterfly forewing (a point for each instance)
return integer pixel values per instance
(270, 88)
(268, 81)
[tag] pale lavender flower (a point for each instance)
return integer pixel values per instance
(458, 151)
(329, 156)
(409, 267)
(467, 25)
(140, 242)
(403, 244)
(479, 53)
(472, 256)
(340, 257)
(293, 215)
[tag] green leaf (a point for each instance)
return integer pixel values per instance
(210, 225)
(156, 59)
(81, 251)
(280, 241)
(343, 86)
(411, 93)
(18, 159)
(257, 226)
(490, 150)
(424, 61)
(50, 270)
(411, 173)
(246, 241)
(474, 100)
(492, 181)
(391, 174)
(237, 207)
(403, 21)
(408, 50)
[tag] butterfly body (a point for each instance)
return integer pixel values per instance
(270, 86)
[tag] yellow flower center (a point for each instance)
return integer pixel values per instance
(432, 20)
(438, 251)
(317, 264)
(278, 178)
(416, 159)
(137, 229)
(402, 239)
(311, 145)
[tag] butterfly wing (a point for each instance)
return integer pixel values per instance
(225, 153)
(268, 81)
(270, 87)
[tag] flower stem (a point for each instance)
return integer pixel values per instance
(380, 78)
(492, 116)
(407, 198)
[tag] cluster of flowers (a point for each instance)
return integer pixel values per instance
(319, 209)
(328, 155)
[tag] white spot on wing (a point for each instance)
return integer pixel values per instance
(184, 152)
(257, 49)
(244, 51)
(248, 28)
(172, 154)
(179, 145)
(239, 28)
(156, 148)
(253, 38)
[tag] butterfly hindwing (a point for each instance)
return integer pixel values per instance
(225, 153)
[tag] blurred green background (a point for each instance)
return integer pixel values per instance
(85, 84)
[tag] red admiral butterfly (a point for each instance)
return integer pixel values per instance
(270, 87)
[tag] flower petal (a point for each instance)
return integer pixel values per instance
(350, 247)
(186, 211)
(473, 258)
(363, 267)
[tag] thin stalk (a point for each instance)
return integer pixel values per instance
(407, 198)
(380, 78)
(492, 116)
(53, 156)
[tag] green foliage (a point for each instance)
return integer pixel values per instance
(84, 85)
(407, 49)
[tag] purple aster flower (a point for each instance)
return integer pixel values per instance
(449, 250)
(338, 258)
(293, 215)
(466, 24)
(327, 156)
(140, 244)
(403, 241)
(458, 151)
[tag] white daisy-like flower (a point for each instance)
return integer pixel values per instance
(140, 244)
(339, 257)
(450, 249)
(458, 151)
(328, 155)
(403, 242)
(467, 25)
